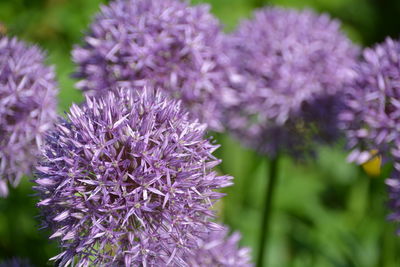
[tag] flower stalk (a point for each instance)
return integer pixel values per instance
(267, 211)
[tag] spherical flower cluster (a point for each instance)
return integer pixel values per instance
(127, 180)
(292, 67)
(163, 42)
(371, 118)
(27, 108)
(216, 248)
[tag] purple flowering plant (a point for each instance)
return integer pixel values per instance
(27, 108)
(127, 179)
(168, 43)
(291, 70)
(371, 118)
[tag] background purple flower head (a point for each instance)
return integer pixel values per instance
(127, 179)
(217, 248)
(27, 108)
(292, 66)
(166, 42)
(372, 115)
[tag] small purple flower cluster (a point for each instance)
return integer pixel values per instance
(167, 43)
(27, 108)
(127, 180)
(292, 67)
(216, 248)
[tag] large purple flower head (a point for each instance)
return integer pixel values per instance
(372, 115)
(27, 108)
(166, 42)
(217, 248)
(292, 67)
(127, 180)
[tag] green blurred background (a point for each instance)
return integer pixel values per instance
(327, 212)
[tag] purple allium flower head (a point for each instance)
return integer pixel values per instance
(127, 180)
(292, 66)
(27, 108)
(216, 248)
(372, 115)
(165, 42)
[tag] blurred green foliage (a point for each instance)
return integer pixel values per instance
(328, 212)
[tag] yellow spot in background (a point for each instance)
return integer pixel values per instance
(3, 29)
(373, 166)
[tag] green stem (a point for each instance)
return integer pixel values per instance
(266, 216)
